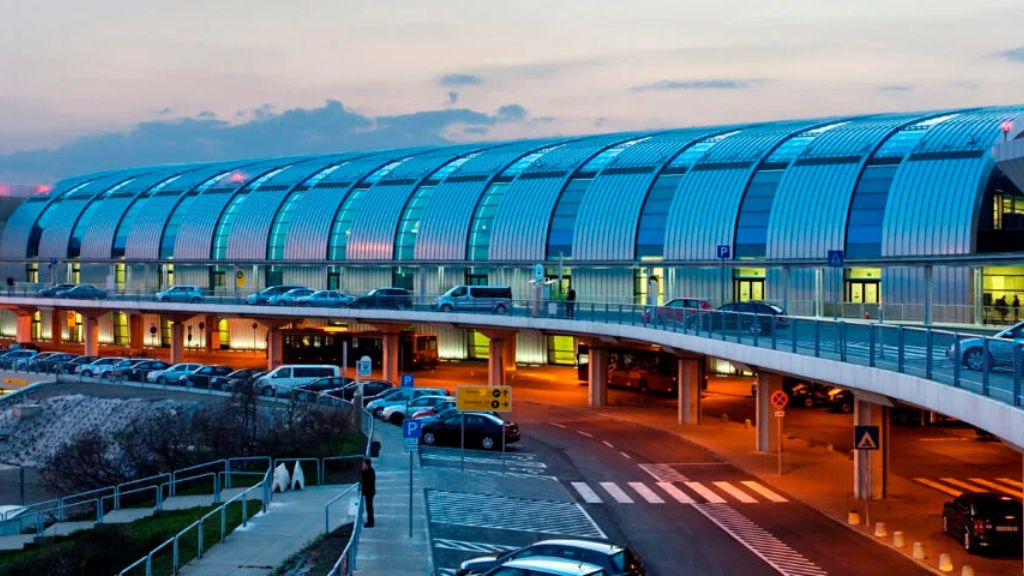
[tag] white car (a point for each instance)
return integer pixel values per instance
(99, 367)
(174, 374)
(395, 413)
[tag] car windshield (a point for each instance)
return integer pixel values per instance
(623, 561)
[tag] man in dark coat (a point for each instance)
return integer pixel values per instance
(368, 486)
(570, 302)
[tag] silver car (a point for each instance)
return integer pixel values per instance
(291, 297)
(1000, 349)
(174, 374)
(179, 294)
(325, 298)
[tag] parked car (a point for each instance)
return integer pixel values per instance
(321, 386)
(400, 396)
(54, 291)
(97, 368)
(84, 292)
(139, 368)
(173, 374)
(542, 566)
(753, 317)
(1000, 349)
(840, 400)
(325, 299)
(71, 366)
(497, 299)
(52, 362)
(395, 413)
(290, 298)
(17, 359)
(370, 388)
(433, 410)
(809, 394)
(118, 370)
(179, 294)
(282, 380)
(614, 559)
(264, 296)
(676, 310)
(984, 520)
(384, 298)
(481, 430)
(236, 380)
(203, 378)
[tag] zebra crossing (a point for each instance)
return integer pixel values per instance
(498, 512)
(676, 492)
(957, 486)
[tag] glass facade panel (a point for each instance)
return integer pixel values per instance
(75, 243)
(752, 226)
(283, 219)
(342, 227)
(228, 217)
(124, 227)
(409, 225)
(173, 225)
(44, 220)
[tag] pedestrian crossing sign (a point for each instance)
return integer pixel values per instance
(865, 437)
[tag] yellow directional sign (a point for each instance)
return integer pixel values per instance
(15, 382)
(483, 398)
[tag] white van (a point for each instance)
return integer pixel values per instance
(282, 380)
(497, 299)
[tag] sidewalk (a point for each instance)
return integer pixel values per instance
(295, 519)
(387, 549)
(823, 480)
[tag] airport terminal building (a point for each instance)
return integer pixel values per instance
(927, 210)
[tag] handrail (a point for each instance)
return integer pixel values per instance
(346, 561)
(332, 501)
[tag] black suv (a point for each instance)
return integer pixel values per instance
(384, 298)
(753, 317)
(983, 520)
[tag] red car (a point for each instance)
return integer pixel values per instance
(676, 310)
(420, 414)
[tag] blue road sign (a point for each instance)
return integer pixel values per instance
(408, 381)
(411, 430)
(363, 366)
(865, 437)
(835, 259)
(723, 251)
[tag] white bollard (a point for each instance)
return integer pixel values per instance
(747, 423)
(966, 570)
(281, 478)
(298, 478)
(853, 518)
(945, 563)
(897, 539)
(880, 530)
(918, 552)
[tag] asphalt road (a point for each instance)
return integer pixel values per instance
(679, 539)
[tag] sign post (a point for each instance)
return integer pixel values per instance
(779, 400)
(482, 399)
(866, 438)
(723, 252)
(363, 367)
(408, 381)
(411, 430)
(836, 262)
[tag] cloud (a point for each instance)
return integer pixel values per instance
(328, 128)
(454, 80)
(164, 111)
(895, 88)
(453, 97)
(707, 84)
(1012, 54)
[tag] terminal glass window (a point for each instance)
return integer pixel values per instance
(561, 350)
(37, 325)
(230, 214)
(863, 285)
(650, 239)
(1000, 286)
(283, 219)
(78, 232)
(170, 234)
(403, 277)
(124, 227)
(44, 220)
(752, 226)
(1001, 222)
(342, 228)
(409, 225)
(224, 328)
(120, 277)
(748, 284)
(120, 328)
(644, 279)
(479, 345)
(32, 273)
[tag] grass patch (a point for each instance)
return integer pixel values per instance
(318, 557)
(108, 549)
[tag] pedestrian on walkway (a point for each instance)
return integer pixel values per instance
(1016, 308)
(570, 302)
(368, 486)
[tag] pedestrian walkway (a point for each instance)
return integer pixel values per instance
(386, 549)
(294, 520)
(685, 492)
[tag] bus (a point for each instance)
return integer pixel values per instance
(319, 346)
(646, 370)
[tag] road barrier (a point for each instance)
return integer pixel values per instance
(898, 540)
(918, 551)
(945, 563)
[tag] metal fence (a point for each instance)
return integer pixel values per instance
(346, 563)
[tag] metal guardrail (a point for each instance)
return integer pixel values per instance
(346, 562)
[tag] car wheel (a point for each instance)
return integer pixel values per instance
(808, 402)
(428, 438)
(396, 418)
(161, 299)
(487, 443)
(161, 380)
(501, 309)
(267, 391)
(846, 407)
(974, 359)
(755, 328)
(87, 373)
(195, 300)
(446, 308)
(378, 411)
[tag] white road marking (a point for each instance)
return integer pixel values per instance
(557, 425)
(1011, 482)
(763, 491)
(582, 433)
(940, 487)
(735, 492)
(466, 546)
(993, 485)
(626, 456)
(676, 493)
(617, 493)
(663, 472)
(505, 513)
(775, 552)
(705, 493)
(646, 493)
(587, 493)
(962, 484)
(608, 444)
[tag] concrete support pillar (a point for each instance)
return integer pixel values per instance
(212, 333)
(177, 341)
(690, 380)
(275, 347)
(389, 360)
(928, 290)
(508, 354)
(136, 332)
(23, 327)
(767, 423)
(496, 362)
(91, 333)
(57, 326)
(597, 377)
(871, 467)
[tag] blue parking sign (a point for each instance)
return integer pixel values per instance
(723, 251)
(411, 430)
(408, 381)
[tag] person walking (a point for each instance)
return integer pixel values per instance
(1016, 308)
(368, 486)
(570, 302)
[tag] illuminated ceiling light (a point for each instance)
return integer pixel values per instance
(237, 177)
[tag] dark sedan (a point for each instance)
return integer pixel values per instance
(615, 560)
(984, 520)
(203, 378)
(321, 385)
(137, 368)
(70, 366)
(84, 292)
(236, 380)
(54, 291)
(756, 318)
(481, 430)
(50, 362)
(384, 298)
(370, 388)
